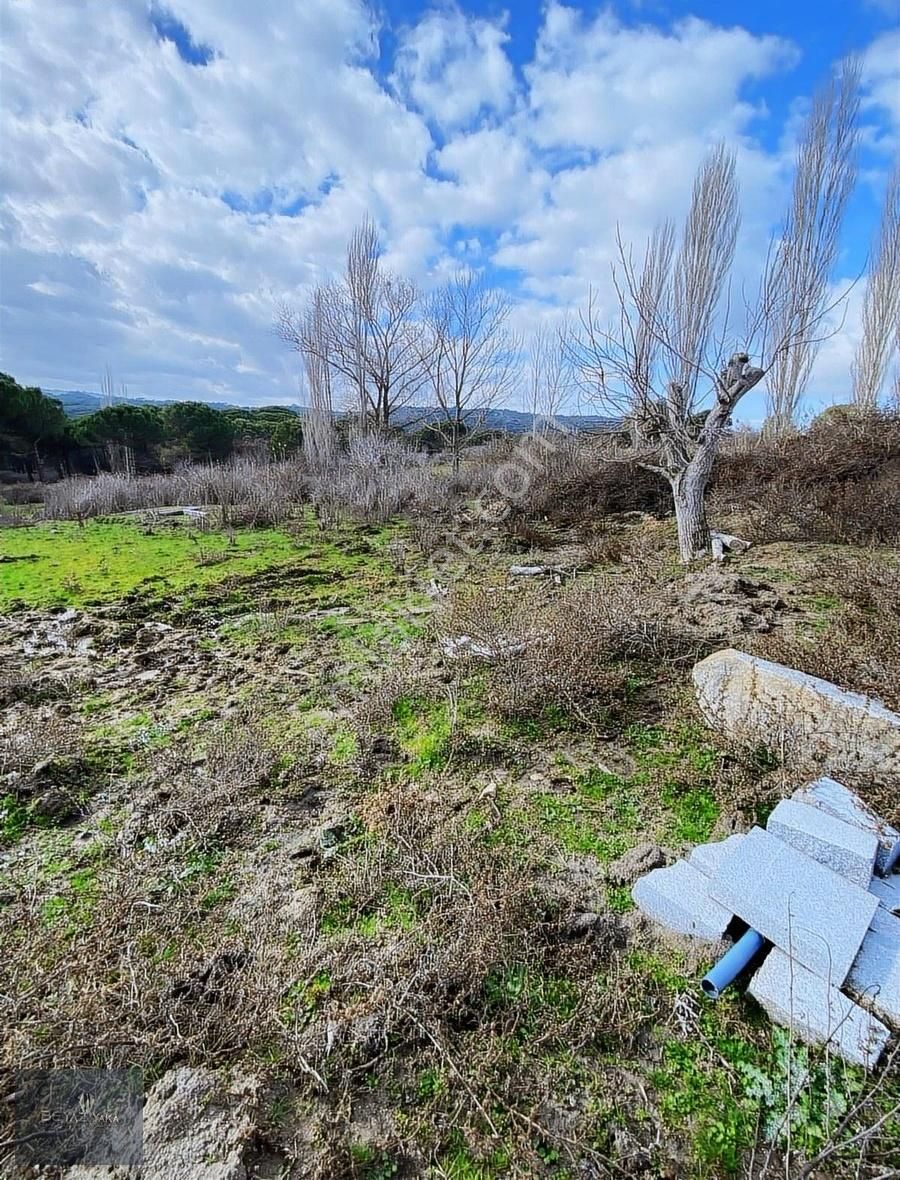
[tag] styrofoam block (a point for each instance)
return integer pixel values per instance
(875, 975)
(677, 897)
(708, 857)
(816, 1011)
(844, 848)
(837, 800)
(805, 909)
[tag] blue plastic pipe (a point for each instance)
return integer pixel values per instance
(731, 964)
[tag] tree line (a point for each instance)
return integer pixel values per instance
(38, 438)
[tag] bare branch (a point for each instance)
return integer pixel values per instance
(881, 305)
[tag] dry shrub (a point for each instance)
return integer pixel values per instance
(22, 493)
(569, 650)
(374, 480)
(859, 646)
(246, 490)
(837, 482)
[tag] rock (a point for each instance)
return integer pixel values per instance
(758, 702)
(678, 898)
(843, 848)
(834, 798)
(816, 1011)
(805, 909)
(887, 890)
(635, 863)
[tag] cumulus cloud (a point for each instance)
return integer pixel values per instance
(169, 173)
(453, 68)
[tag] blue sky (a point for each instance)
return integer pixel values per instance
(171, 172)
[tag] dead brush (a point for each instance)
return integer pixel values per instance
(568, 649)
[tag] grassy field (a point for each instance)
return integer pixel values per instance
(273, 829)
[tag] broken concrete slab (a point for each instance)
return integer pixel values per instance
(708, 857)
(677, 897)
(837, 800)
(815, 722)
(875, 975)
(841, 847)
(805, 909)
(816, 1011)
(887, 890)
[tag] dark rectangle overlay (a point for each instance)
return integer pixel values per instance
(79, 1116)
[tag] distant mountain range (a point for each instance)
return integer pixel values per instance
(77, 403)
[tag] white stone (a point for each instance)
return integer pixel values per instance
(841, 847)
(887, 890)
(756, 701)
(708, 857)
(875, 975)
(677, 897)
(816, 1011)
(805, 909)
(837, 800)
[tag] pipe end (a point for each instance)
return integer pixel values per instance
(709, 989)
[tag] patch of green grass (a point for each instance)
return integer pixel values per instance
(304, 998)
(106, 559)
(72, 910)
(370, 1163)
(395, 909)
(13, 819)
(424, 730)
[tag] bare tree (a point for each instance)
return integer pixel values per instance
(549, 376)
(647, 366)
(797, 282)
(319, 438)
(369, 331)
(881, 304)
(469, 356)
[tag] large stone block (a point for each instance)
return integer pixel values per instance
(678, 898)
(834, 798)
(816, 1011)
(805, 909)
(887, 890)
(758, 702)
(875, 975)
(708, 857)
(841, 847)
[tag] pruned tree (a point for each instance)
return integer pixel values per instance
(369, 331)
(549, 376)
(662, 363)
(469, 356)
(648, 365)
(797, 281)
(881, 304)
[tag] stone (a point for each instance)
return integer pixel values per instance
(678, 898)
(875, 975)
(841, 847)
(887, 890)
(635, 863)
(758, 702)
(816, 1011)
(708, 857)
(816, 916)
(837, 800)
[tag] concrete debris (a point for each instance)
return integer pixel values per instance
(816, 1011)
(677, 898)
(887, 890)
(535, 571)
(709, 857)
(819, 918)
(845, 849)
(875, 975)
(458, 647)
(756, 701)
(725, 541)
(834, 798)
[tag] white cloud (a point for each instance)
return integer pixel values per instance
(142, 197)
(452, 67)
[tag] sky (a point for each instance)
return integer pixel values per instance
(170, 174)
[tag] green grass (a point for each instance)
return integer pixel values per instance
(107, 559)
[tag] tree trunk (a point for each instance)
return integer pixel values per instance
(689, 495)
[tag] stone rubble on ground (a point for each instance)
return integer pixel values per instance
(821, 882)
